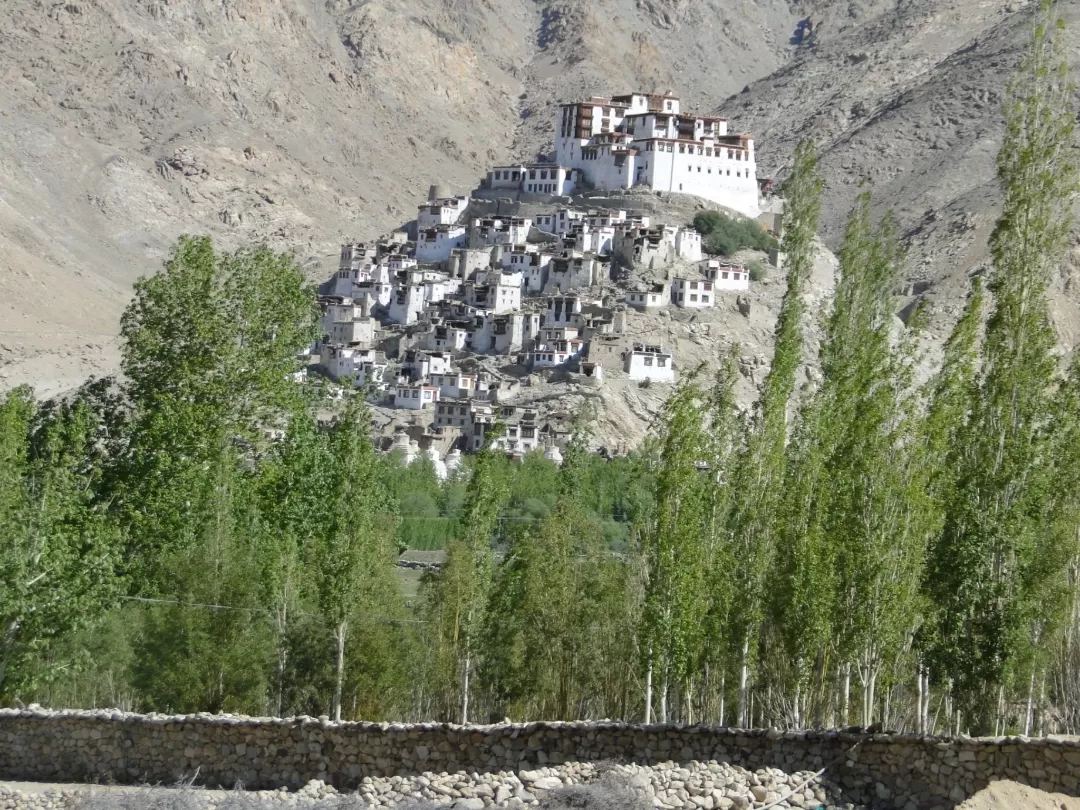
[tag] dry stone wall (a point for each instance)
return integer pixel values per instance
(886, 771)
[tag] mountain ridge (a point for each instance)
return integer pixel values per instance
(302, 124)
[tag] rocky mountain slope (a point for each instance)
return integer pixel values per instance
(910, 98)
(124, 123)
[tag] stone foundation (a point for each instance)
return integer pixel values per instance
(886, 771)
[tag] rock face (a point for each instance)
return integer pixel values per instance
(678, 767)
(909, 95)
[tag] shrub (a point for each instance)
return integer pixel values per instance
(757, 270)
(727, 235)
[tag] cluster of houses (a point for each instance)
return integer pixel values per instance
(429, 323)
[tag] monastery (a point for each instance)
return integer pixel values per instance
(641, 140)
(434, 325)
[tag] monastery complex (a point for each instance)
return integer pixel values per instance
(642, 140)
(448, 321)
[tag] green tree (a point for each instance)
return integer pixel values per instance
(354, 558)
(59, 555)
(676, 601)
(460, 594)
(210, 347)
(758, 474)
(993, 527)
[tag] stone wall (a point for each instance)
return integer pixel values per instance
(888, 771)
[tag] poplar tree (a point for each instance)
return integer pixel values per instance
(759, 472)
(354, 558)
(726, 430)
(675, 561)
(461, 591)
(991, 535)
(294, 481)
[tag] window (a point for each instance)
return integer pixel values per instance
(693, 298)
(648, 361)
(543, 174)
(532, 174)
(693, 285)
(667, 105)
(661, 361)
(415, 394)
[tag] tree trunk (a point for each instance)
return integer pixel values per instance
(723, 694)
(919, 727)
(1030, 705)
(1039, 716)
(664, 686)
(744, 680)
(466, 672)
(886, 707)
(648, 691)
(846, 694)
(283, 652)
(340, 672)
(795, 716)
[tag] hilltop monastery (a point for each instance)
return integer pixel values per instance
(414, 319)
(641, 140)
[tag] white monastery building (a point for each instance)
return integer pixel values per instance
(692, 293)
(535, 178)
(434, 244)
(650, 363)
(647, 140)
(726, 276)
(444, 211)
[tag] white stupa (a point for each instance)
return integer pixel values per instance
(437, 463)
(552, 453)
(453, 461)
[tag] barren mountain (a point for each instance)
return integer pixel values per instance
(909, 98)
(301, 123)
(124, 123)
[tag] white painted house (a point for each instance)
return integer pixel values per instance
(347, 321)
(415, 396)
(454, 384)
(655, 297)
(650, 363)
(560, 221)
(692, 293)
(647, 140)
(435, 244)
(688, 245)
(563, 310)
(726, 276)
(506, 231)
(443, 211)
(556, 352)
(446, 338)
(407, 304)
